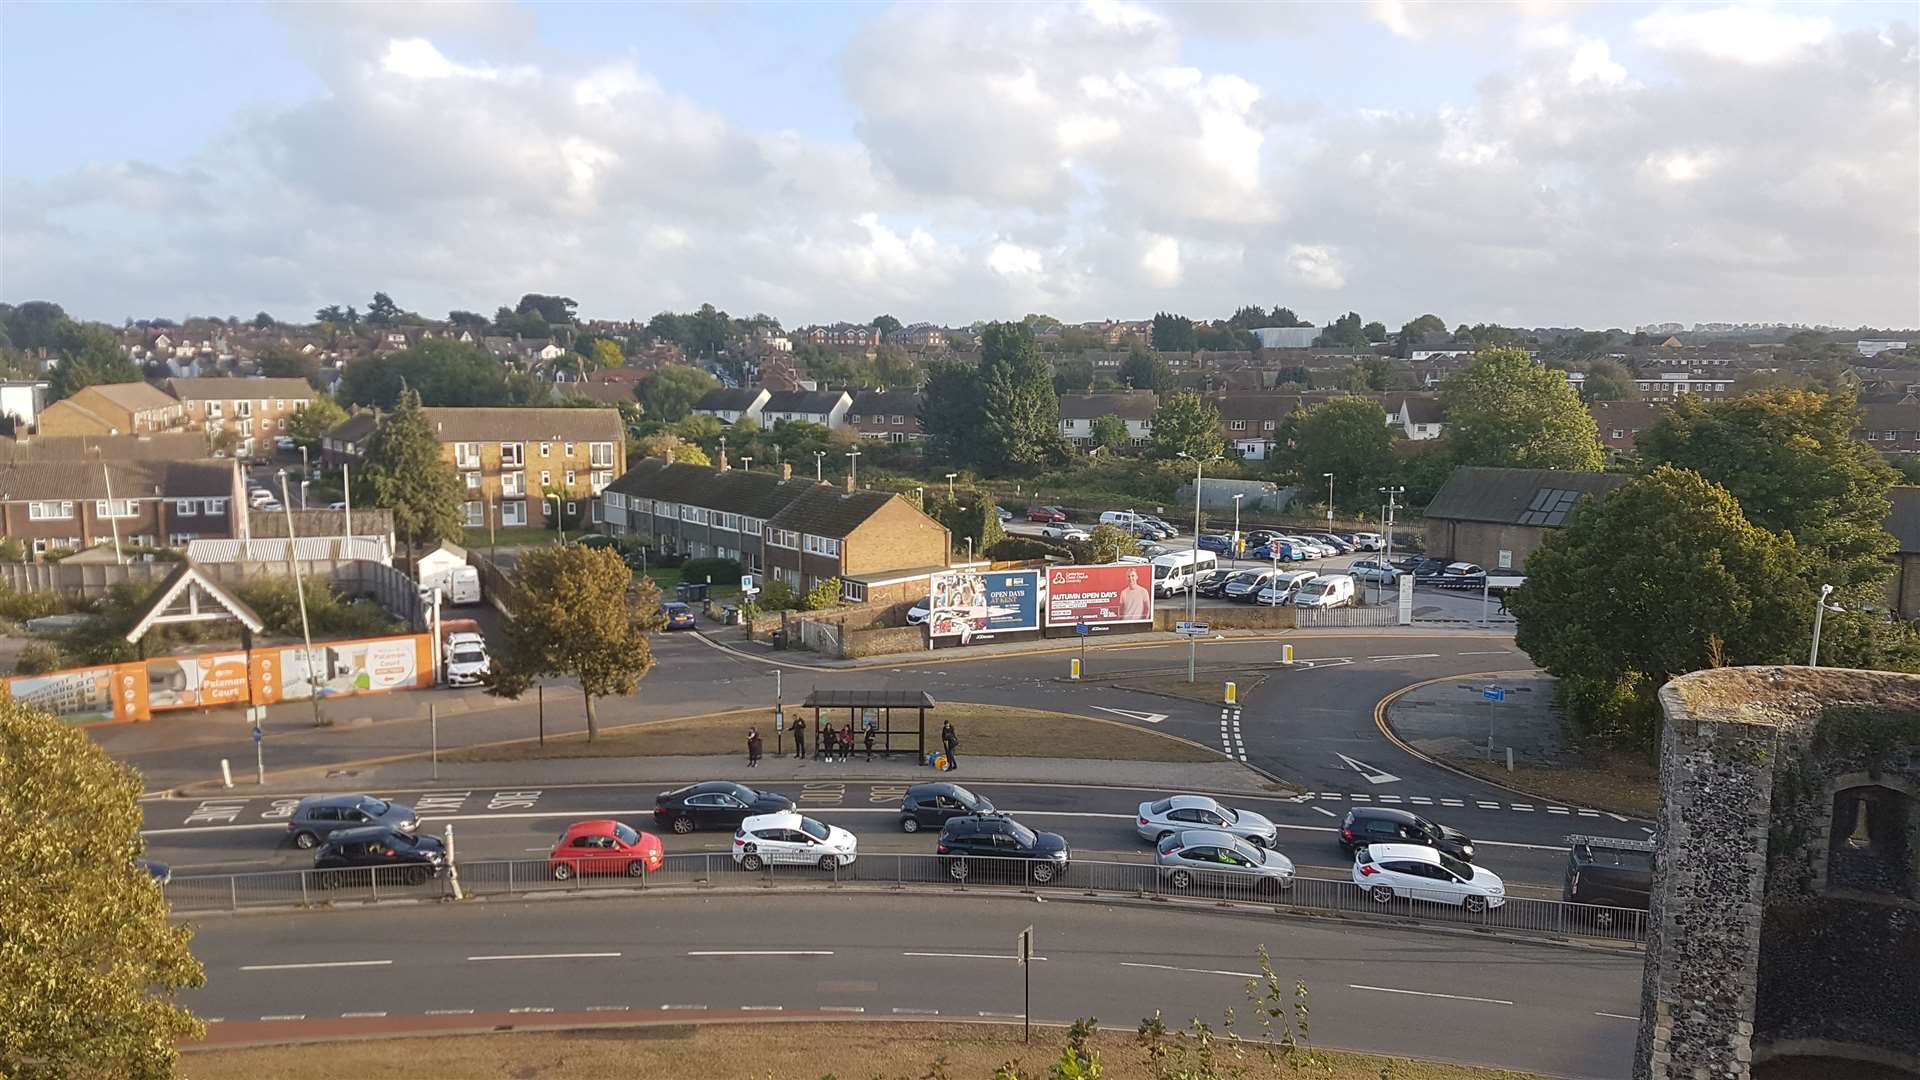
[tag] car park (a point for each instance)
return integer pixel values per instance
(1063, 532)
(1365, 825)
(467, 663)
(1218, 543)
(1046, 515)
(1156, 820)
(1340, 544)
(1388, 871)
(714, 804)
(1256, 537)
(791, 839)
(1167, 528)
(1151, 551)
(317, 817)
(1004, 514)
(604, 847)
(1214, 585)
(1203, 858)
(1176, 571)
(1147, 530)
(1425, 570)
(1283, 587)
(930, 806)
(1325, 591)
(1461, 575)
(283, 443)
(995, 845)
(1366, 541)
(1373, 571)
(1245, 585)
(384, 853)
(679, 616)
(1604, 870)
(1315, 549)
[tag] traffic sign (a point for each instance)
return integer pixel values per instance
(1494, 693)
(1192, 629)
(1081, 629)
(1023, 946)
(257, 735)
(746, 582)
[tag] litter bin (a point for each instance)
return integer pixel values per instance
(779, 639)
(730, 615)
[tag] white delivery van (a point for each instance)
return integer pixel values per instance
(1181, 570)
(1123, 519)
(1326, 591)
(457, 585)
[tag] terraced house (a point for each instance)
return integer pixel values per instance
(113, 409)
(880, 546)
(73, 505)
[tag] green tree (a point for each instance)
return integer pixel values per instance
(1074, 376)
(1348, 437)
(410, 477)
(824, 594)
(264, 321)
(280, 362)
(1609, 380)
(1374, 331)
(552, 310)
(1143, 370)
(1019, 413)
(311, 424)
(1505, 409)
(709, 330)
(892, 367)
(36, 324)
(91, 963)
(1345, 332)
(1173, 333)
(669, 394)
(578, 613)
(89, 356)
(1662, 577)
(467, 320)
(1110, 431)
(381, 310)
(950, 412)
(441, 371)
(672, 448)
(886, 324)
(1105, 544)
(1186, 424)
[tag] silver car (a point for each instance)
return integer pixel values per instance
(1211, 860)
(1159, 820)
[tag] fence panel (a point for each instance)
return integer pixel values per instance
(1373, 615)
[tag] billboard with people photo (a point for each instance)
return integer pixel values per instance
(968, 604)
(1108, 595)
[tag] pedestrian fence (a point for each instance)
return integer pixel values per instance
(1387, 614)
(527, 877)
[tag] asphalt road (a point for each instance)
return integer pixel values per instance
(1389, 991)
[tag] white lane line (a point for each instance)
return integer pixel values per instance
(531, 1009)
(1359, 798)
(1589, 813)
(763, 1008)
(1557, 810)
(760, 952)
(323, 964)
(1420, 800)
(1326, 811)
(449, 1012)
(608, 1008)
(549, 956)
(664, 1007)
(1409, 656)
(917, 1012)
(1193, 971)
(286, 1016)
(1618, 1016)
(361, 1015)
(843, 1008)
(1389, 798)
(1424, 993)
(1616, 817)
(968, 955)
(213, 1019)
(1004, 1016)
(1491, 652)
(1485, 805)
(1451, 802)
(1522, 806)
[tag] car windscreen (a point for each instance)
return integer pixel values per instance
(1313, 589)
(468, 656)
(1250, 853)
(1161, 807)
(1161, 571)
(625, 835)
(813, 828)
(1233, 816)
(965, 797)
(373, 806)
(1461, 870)
(743, 793)
(1022, 834)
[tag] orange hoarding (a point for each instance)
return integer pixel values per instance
(86, 695)
(197, 682)
(342, 668)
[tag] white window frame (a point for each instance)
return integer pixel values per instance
(546, 449)
(753, 526)
(600, 478)
(102, 509)
(513, 485)
(572, 479)
(242, 410)
(466, 455)
(476, 513)
(213, 410)
(186, 507)
(569, 452)
(783, 538)
(729, 522)
(473, 481)
(821, 545)
(62, 510)
(693, 514)
(615, 500)
(546, 479)
(513, 455)
(513, 513)
(641, 506)
(666, 509)
(600, 455)
(213, 506)
(853, 592)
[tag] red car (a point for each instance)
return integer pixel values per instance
(604, 847)
(1047, 514)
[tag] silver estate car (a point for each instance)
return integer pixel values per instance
(1175, 813)
(1210, 860)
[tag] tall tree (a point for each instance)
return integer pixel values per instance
(381, 310)
(1143, 370)
(1186, 424)
(1020, 413)
(1073, 376)
(604, 352)
(578, 613)
(281, 362)
(1348, 437)
(710, 330)
(669, 394)
(1105, 544)
(1608, 380)
(552, 310)
(671, 447)
(1173, 333)
(1109, 432)
(264, 321)
(1505, 409)
(441, 371)
(311, 424)
(89, 356)
(950, 412)
(1345, 332)
(467, 320)
(893, 368)
(410, 477)
(36, 324)
(90, 963)
(886, 324)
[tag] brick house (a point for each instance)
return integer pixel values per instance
(886, 415)
(257, 410)
(1891, 427)
(1621, 422)
(113, 409)
(1903, 521)
(1481, 514)
(48, 505)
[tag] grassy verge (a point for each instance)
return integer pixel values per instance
(787, 1051)
(1622, 782)
(1209, 687)
(511, 536)
(985, 730)
(668, 579)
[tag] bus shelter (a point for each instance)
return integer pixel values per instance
(872, 710)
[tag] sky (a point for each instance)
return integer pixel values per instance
(1536, 163)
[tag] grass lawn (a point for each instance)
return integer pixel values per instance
(1625, 783)
(785, 1051)
(668, 579)
(985, 730)
(512, 536)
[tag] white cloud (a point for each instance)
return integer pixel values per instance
(1315, 266)
(1161, 261)
(1010, 260)
(1593, 63)
(1743, 34)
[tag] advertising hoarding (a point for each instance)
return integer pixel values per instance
(197, 682)
(967, 604)
(1108, 595)
(86, 695)
(342, 668)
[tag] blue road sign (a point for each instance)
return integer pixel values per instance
(1494, 693)
(1081, 629)
(257, 734)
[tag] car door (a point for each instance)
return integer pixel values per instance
(604, 855)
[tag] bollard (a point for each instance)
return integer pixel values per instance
(1073, 672)
(226, 772)
(1509, 759)
(1233, 694)
(1286, 654)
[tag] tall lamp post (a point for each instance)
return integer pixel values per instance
(1819, 609)
(300, 591)
(1329, 477)
(853, 467)
(818, 457)
(950, 477)
(1387, 555)
(1193, 642)
(558, 521)
(1236, 526)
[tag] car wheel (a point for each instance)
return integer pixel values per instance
(416, 875)
(562, 872)
(1181, 880)
(751, 862)
(828, 862)
(908, 824)
(958, 869)
(1381, 894)
(636, 868)
(1043, 873)
(1162, 837)
(305, 840)
(1475, 905)
(683, 824)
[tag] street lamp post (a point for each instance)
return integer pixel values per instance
(853, 467)
(950, 477)
(969, 550)
(1193, 641)
(1387, 555)
(300, 591)
(1819, 610)
(1236, 526)
(559, 522)
(1329, 477)
(746, 464)
(818, 457)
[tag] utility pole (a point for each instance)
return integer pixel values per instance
(113, 516)
(1329, 477)
(1819, 610)
(950, 477)
(1387, 556)
(1193, 640)
(346, 484)
(818, 457)
(853, 467)
(300, 591)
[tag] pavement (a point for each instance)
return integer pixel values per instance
(385, 971)
(1458, 718)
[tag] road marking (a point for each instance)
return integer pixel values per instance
(1371, 774)
(1193, 971)
(917, 1012)
(1420, 800)
(1409, 656)
(549, 956)
(1143, 717)
(1389, 798)
(969, 956)
(1485, 805)
(843, 1008)
(1521, 806)
(1558, 810)
(286, 1016)
(1004, 1016)
(682, 1007)
(449, 1012)
(763, 1008)
(1618, 1016)
(1616, 817)
(1589, 813)
(1326, 811)
(608, 1008)
(1451, 802)
(324, 964)
(760, 952)
(1492, 652)
(362, 1015)
(530, 1009)
(1424, 993)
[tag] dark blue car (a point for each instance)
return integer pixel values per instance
(1218, 543)
(1277, 551)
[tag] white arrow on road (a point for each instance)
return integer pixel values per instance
(1143, 717)
(1373, 775)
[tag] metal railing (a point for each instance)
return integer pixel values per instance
(1372, 615)
(514, 877)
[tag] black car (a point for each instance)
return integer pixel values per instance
(1258, 537)
(1425, 569)
(997, 839)
(1603, 870)
(931, 805)
(378, 853)
(714, 804)
(1380, 825)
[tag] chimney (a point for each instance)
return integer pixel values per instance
(849, 482)
(786, 470)
(723, 460)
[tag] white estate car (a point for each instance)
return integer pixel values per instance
(792, 840)
(1060, 530)
(1423, 873)
(467, 659)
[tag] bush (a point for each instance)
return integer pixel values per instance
(328, 614)
(1024, 548)
(37, 658)
(721, 571)
(1618, 713)
(822, 596)
(19, 606)
(776, 595)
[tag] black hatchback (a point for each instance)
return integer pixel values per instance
(997, 840)
(379, 854)
(714, 804)
(1383, 825)
(932, 805)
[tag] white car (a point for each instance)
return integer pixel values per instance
(1058, 531)
(283, 442)
(792, 840)
(1373, 571)
(1315, 549)
(1281, 588)
(1423, 873)
(259, 495)
(467, 662)
(1368, 541)
(917, 614)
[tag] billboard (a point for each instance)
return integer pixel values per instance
(967, 604)
(1100, 595)
(86, 695)
(342, 668)
(197, 682)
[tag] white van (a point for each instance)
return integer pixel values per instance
(1181, 570)
(457, 585)
(1123, 519)
(1327, 591)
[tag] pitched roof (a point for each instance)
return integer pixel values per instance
(1904, 520)
(1626, 414)
(736, 491)
(825, 510)
(132, 396)
(190, 389)
(158, 446)
(1535, 497)
(1889, 416)
(356, 428)
(493, 424)
(886, 402)
(723, 400)
(1421, 408)
(1137, 405)
(804, 401)
(130, 480)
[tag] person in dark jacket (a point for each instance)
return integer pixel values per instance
(753, 747)
(869, 742)
(950, 741)
(799, 737)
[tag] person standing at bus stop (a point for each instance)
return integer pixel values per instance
(950, 741)
(800, 737)
(753, 747)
